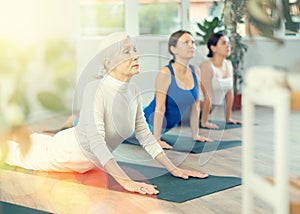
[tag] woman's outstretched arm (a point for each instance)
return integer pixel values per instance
(162, 83)
(127, 183)
(206, 87)
(229, 97)
(195, 112)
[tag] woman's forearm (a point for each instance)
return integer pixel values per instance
(157, 124)
(165, 161)
(205, 110)
(194, 119)
(229, 102)
(116, 172)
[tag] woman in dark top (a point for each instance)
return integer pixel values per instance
(177, 88)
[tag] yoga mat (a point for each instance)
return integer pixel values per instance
(8, 208)
(179, 190)
(222, 125)
(187, 144)
(171, 188)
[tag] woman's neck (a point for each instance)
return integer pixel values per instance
(119, 77)
(181, 65)
(218, 60)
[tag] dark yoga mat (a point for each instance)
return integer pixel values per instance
(222, 125)
(8, 208)
(171, 188)
(177, 189)
(187, 144)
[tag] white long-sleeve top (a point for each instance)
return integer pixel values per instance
(111, 112)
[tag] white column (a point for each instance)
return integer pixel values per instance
(248, 150)
(281, 138)
(185, 15)
(131, 17)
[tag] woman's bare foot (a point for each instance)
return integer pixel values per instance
(209, 125)
(231, 121)
(203, 139)
(69, 123)
(164, 145)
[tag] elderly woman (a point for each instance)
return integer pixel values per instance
(101, 126)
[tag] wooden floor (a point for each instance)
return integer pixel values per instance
(66, 197)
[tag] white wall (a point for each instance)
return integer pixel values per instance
(262, 51)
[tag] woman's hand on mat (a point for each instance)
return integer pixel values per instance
(209, 125)
(202, 139)
(164, 145)
(185, 174)
(232, 121)
(139, 187)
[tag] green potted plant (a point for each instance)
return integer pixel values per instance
(233, 14)
(207, 28)
(20, 94)
(266, 16)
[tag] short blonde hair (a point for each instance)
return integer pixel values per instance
(109, 47)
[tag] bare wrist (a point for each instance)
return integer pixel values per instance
(157, 138)
(123, 181)
(173, 170)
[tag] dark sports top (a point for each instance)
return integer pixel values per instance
(177, 102)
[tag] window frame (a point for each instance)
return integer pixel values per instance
(131, 17)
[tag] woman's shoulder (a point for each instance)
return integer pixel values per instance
(206, 66)
(229, 66)
(92, 85)
(165, 69)
(206, 62)
(195, 69)
(163, 77)
(164, 73)
(227, 61)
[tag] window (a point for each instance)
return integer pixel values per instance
(156, 17)
(101, 17)
(159, 17)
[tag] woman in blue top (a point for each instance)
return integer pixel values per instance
(177, 87)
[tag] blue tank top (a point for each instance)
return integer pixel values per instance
(177, 102)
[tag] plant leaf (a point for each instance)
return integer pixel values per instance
(202, 28)
(51, 101)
